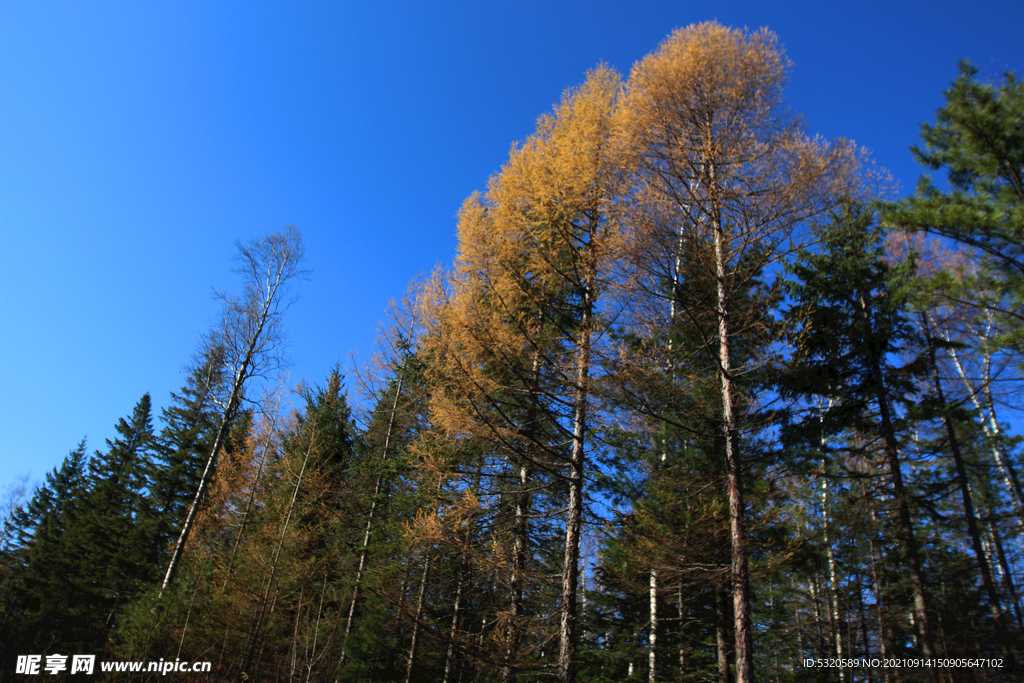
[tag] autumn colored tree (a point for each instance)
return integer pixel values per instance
(515, 336)
(715, 153)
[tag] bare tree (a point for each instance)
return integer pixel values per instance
(251, 340)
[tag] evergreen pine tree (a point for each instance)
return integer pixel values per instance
(181, 449)
(851, 312)
(978, 140)
(40, 605)
(114, 534)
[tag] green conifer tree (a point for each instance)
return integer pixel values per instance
(181, 449)
(851, 318)
(40, 604)
(116, 531)
(978, 140)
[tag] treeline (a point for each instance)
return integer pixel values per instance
(693, 404)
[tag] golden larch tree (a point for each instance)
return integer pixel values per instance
(712, 149)
(515, 328)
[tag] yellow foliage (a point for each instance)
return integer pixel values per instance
(533, 241)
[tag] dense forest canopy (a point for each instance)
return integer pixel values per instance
(694, 402)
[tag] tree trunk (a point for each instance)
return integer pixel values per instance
(652, 640)
(573, 524)
(574, 516)
(820, 641)
(449, 656)
(411, 657)
(682, 635)
(520, 532)
(1004, 567)
(862, 617)
(906, 526)
(361, 568)
(833, 583)
(991, 427)
(254, 637)
(248, 508)
(721, 634)
(733, 467)
(268, 265)
(876, 586)
(204, 480)
(965, 494)
(464, 573)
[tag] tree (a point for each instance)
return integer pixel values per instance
(978, 140)
(41, 605)
(183, 445)
(393, 422)
(251, 338)
(853, 320)
(515, 340)
(713, 150)
(114, 535)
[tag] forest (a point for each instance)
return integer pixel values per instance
(697, 400)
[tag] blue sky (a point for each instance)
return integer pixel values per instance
(139, 141)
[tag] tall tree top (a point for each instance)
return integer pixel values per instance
(978, 139)
(725, 72)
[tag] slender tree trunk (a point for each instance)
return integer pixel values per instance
(876, 584)
(254, 636)
(833, 599)
(269, 265)
(449, 659)
(1004, 567)
(241, 531)
(570, 568)
(1010, 474)
(652, 640)
(721, 634)
(512, 629)
(402, 588)
(991, 427)
(574, 516)
(188, 617)
(999, 449)
(520, 534)
(965, 493)
(204, 480)
(248, 508)
(361, 568)
(833, 580)
(733, 467)
(682, 635)
(820, 646)
(449, 656)
(862, 617)
(906, 526)
(295, 640)
(311, 657)
(411, 657)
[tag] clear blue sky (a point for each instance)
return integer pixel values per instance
(139, 141)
